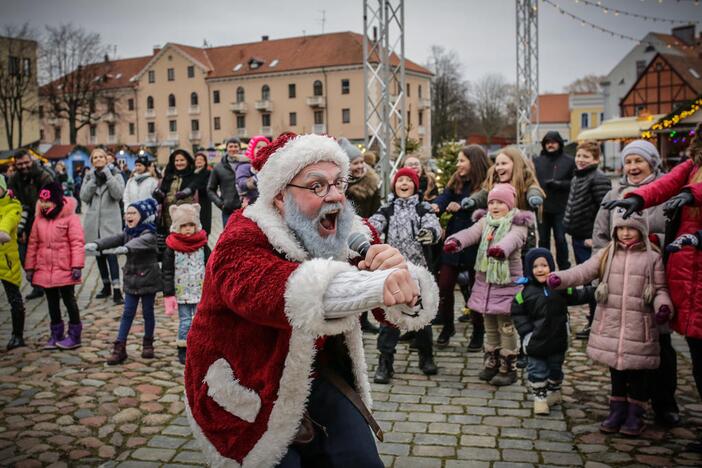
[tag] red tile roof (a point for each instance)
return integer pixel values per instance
(554, 108)
(118, 73)
(673, 42)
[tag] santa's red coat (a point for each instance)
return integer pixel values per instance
(252, 342)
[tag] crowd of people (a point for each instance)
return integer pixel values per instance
(637, 248)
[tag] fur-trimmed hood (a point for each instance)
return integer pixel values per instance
(521, 218)
(364, 187)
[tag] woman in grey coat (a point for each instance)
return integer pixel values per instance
(102, 191)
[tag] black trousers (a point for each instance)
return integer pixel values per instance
(389, 336)
(14, 296)
(664, 380)
(632, 383)
(53, 298)
(695, 345)
(554, 222)
(346, 442)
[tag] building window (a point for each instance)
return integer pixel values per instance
(317, 88)
(41, 134)
(152, 76)
(217, 124)
(420, 118)
(191, 71)
(419, 91)
(130, 104)
(408, 90)
(291, 90)
(131, 128)
(240, 121)
(111, 104)
(345, 86)
(151, 127)
(193, 99)
(345, 116)
(93, 131)
(13, 66)
(150, 102)
(293, 119)
(171, 100)
(409, 119)
(584, 120)
(265, 93)
(215, 96)
(195, 125)
(111, 129)
(27, 67)
(601, 117)
(266, 120)
(240, 94)
(57, 134)
(318, 117)
(171, 74)
(172, 125)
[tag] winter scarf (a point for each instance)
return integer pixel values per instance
(496, 271)
(182, 243)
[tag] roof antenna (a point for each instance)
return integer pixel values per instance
(324, 19)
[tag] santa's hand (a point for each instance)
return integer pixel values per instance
(553, 281)
(400, 288)
(382, 257)
(682, 241)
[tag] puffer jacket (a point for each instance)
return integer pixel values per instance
(624, 333)
(489, 298)
(103, 216)
(139, 187)
(223, 177)
(684, 268)
(142, 274)
(55, 247)
(10, 214)
(587, 189)
(364, 193)
(558, 169)
(602, 230)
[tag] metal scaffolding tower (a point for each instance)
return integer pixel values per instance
(384, 80)
(527, 72)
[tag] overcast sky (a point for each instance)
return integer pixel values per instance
(482, 32)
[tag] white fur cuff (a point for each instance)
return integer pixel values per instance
(429, 293)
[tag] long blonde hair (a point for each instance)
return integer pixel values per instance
(523, 177)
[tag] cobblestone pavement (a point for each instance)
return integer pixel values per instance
(67, 408)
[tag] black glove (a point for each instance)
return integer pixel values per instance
(183, 194)
(631, 204)
(678, 201)
(158, 195)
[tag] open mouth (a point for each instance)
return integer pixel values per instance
(502, 175)
(328, 222)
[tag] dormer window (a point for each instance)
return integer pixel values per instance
(255, 63)
(237, 67)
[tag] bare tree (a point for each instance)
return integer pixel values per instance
(490, 95)
(18, 81)
(586, 84)
(451, 113)
(75, 65)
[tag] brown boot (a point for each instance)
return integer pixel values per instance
(507, 374)
(119, 353)
(147, 348)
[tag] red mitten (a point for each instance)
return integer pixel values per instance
(663, 315)
(496, 252)
(170, 304)
(553, 281)
(451, 245)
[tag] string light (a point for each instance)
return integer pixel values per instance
(673, 120)
(617, 12)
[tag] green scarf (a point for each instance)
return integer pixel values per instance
(496, 271)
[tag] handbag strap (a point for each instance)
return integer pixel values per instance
(337, 381)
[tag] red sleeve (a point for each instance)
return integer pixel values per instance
(663, 189)
(30, 262)
(696, 191)
(77, 242)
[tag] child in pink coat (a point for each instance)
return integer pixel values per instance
(501, 234)
(55, 258)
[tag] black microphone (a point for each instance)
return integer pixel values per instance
(358, 243)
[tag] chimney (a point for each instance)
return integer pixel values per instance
(685, 34)
(264, 38)
(157, 49)
(107, 58)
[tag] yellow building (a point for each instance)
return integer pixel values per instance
(586, 111)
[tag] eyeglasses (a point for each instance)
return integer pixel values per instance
(321, 188)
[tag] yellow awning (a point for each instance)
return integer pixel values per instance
(622, 127)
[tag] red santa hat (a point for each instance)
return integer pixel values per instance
(278, 163)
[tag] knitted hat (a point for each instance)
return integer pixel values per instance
(278, 163)
(645, 149)
(504, 193)
(351, 150)
(143, 160)
(147, 210)
(184, 214)
(407, 172)
(53, 192)
(531, 257)
(233, 140)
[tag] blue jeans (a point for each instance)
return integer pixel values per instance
(550, 367)
(581, 251)
(105, 261)
(554, 221)
(186, 312)
(348, 442)
(131, 301)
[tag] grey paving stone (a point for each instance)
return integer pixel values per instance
(516, 455)
(387, 448)
(473, 453)
(568, 459)
(190, 456)
(466, 464)
(417, 462)
(153, 454)
(478, 441)
(161, 441)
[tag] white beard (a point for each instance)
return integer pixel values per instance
(307, 229)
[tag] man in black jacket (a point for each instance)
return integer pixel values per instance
(554, 169)
(223, 177)
(25, 183)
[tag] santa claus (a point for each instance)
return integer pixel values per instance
(275, 372)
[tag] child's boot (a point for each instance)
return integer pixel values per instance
(507, 374)
(147, 348)
(117, 297)
(119, 353)
(72, 339)
(106, 291)
(554, 392)
(384, 372)
(539, 389)
(491, 365)
(617, 415)
(426, 364)
(634, 424)
(181, 354)
(477, 336)
(17, 337)
(57, 331)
